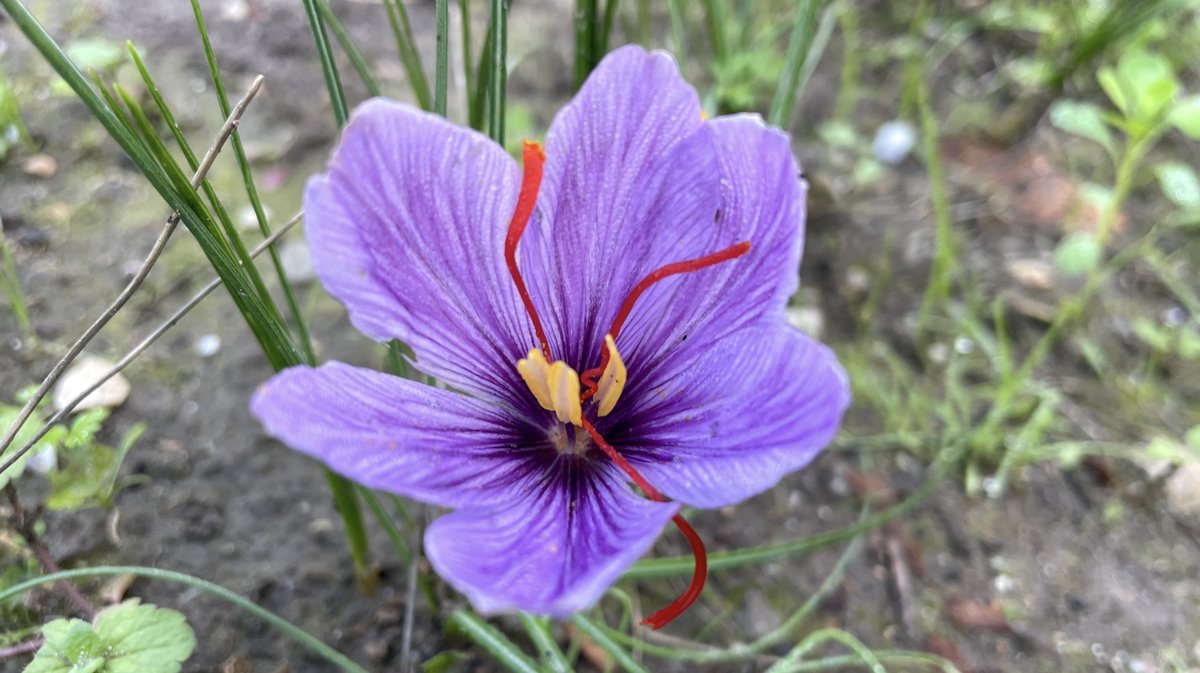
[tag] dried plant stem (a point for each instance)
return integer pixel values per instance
(23, 523)
(156, 250)
(23, 648)
(142, 346)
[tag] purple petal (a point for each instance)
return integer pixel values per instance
(758, 406)
(628, 184)
(762, 201)
(552, 549)
(390, 433)
(407, 229)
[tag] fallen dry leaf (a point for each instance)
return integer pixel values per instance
(971, 615)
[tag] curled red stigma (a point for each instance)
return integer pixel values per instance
(531, 181)
(700, 570)
(588, 377)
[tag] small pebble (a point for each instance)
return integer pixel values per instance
(893, 141)
(1031, 273)
(207, 345)
(81, 375)
(297, 261)
(40, 166)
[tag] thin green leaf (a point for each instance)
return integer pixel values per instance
(803, 31)
(493, 642)
(499, 70)
(598, 636)
(357, 60)
(333, 81)
(409, 56)
(442, 66)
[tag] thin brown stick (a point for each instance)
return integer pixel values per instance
(23, 648)
(156, 250)
(142, 346)
(24, 522)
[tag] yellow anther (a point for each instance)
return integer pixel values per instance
(554, 385)
(612, 381)
(535, 370)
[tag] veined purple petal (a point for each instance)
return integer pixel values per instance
(553, 548)
(393, 434)
(758, 406)
(626, 186)
(762, 201)
(407, 229)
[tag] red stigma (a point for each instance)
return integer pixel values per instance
(534, 157)
(588, 377)
(699, 571)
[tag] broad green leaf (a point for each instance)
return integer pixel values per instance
(1149, 81)
(84, 480)
(95, 54)
(1077, 253)
(126, 638)
(1084, 120)
(1186, 116)
(1179, 183)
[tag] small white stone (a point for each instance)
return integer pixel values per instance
(893, 141)
(207, 345)
(1183, 488)
(85, 372)
(297, 261)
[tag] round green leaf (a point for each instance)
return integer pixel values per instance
(1077, 253)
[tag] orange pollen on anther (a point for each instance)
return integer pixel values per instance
(534, 157)
(699, 571)
(589, 377)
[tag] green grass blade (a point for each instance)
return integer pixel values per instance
(464, 13)
(585, 39)
(260, 215)
(610, 17)
(333, 82)
(441, 71)
(678, 39)
(552, 657)
(406, 44)
(12, 287)
(717, 16)
(799, 46)
(598, 636)
(483, 80)
(357, 60)
(499, 70)
(493, 642)
(938, 288)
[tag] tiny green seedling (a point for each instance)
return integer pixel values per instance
(126, 638)
(1144, 91)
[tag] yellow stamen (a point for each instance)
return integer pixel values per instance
(555, 385)
(612, 381)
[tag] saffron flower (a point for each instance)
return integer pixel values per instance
(610, 315)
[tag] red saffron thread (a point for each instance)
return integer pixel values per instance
(534, 157)
(531, 181)
(699, 571)
(589, 376)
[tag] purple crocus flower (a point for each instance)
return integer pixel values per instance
(656, 257)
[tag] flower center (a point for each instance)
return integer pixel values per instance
(556, 386)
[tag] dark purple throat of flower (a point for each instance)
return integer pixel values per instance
(557, 387)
